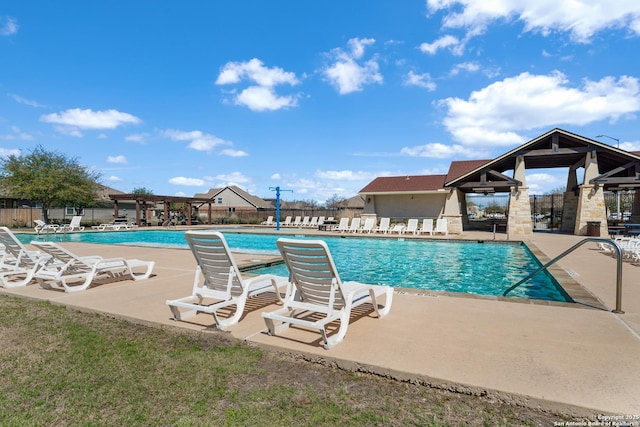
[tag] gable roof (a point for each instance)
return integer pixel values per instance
(554, 149)
(403, 184)
(255, 201)
(459, 168)
(355, 202)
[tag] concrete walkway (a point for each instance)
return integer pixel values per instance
(568, 357)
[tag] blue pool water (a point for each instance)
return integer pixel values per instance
(469, 267)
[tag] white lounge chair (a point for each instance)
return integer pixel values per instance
(269, 221)
(111, 226)
(343, 225)
(318, 296)
(305, 222)
(427, 226)
(297, 222)
(320, 220)
(384, 225)
(74, 273)
(412, 226)
(355, 225)
(369, 223)
(441, 226)
(218, 282)
(397, 228)
(314, 222)
(287, 222)
(43, 226)
(74, 225)
(18, 263)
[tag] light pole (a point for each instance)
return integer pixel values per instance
(618, 216)
(610, 137)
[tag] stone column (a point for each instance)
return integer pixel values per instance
(570, 203)
(463, 210)
(591, 205)
(519, 221)
(452, 211)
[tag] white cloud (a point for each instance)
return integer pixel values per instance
(6, 152)
(114, 178)
(69, 131)
(358, 45)
(8, 26)
(346, 74)
(470, 67)
(254, 70)
(137, 137)
(89, 119)
(630, 145)
(540, 183)
(420, 80)
(580, 18)
(189, 182)
(345, 175)
(117, 159)
(259, 98)
(438, 150)
(21, 100)
(275, 176)
(493, 115)
(451, 42)
(198, 140)
(16, 134)
(234, 178)
(234, 153)
(261, 95)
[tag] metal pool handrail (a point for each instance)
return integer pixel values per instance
(610, 242)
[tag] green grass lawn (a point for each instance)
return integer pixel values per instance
(63, 367)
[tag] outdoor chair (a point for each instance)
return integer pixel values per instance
(74, 225)
(412, 226)
(18, 263)
(427, 226)
(441, 226)
(43, 226)
(218, 282)
(343, 225)
(355, 225)
(318, 297)
(74, 273)
(384, 225)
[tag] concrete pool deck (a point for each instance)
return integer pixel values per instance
(568, 357)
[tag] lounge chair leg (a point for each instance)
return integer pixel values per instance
(275, 328)
(339, 336)
(176, 313)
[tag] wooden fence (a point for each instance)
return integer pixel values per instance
(20, 217)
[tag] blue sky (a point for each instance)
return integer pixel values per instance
(315, 97)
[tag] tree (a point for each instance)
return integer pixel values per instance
(142, 191)
(334, 201)
(557, 190)
(49, 178)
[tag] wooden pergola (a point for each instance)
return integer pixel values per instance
(141, 201)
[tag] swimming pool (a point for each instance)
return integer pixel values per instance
(470, 267)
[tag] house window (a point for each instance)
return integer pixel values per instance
(219, 200)
(232, 209)
(72, 211)
(3, 204)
